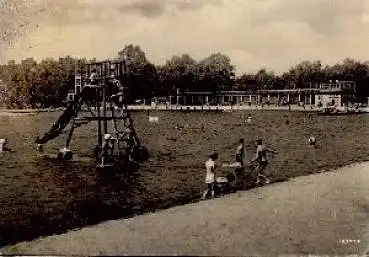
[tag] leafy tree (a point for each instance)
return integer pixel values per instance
(265, 79)
(305, 72)
(179, 72)
(141, 74)
(215, 73)
(246, 82)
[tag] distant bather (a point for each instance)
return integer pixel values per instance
(3, 145)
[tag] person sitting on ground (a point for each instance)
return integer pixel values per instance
(210, 175)
(262, 161)
(3, 145)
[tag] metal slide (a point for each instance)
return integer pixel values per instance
(72, 111)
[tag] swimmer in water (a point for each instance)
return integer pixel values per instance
(3, 145)
(179, 127)
(248, 120)
(40, 148)
(240, 152)
(312, 141)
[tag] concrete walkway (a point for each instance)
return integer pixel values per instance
(319, 214)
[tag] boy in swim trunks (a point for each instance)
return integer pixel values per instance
(240, 152)
(261, 159)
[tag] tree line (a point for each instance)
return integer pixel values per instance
(47, 83)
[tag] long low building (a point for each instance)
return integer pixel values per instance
(336, 93)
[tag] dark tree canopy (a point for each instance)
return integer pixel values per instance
(47, 83)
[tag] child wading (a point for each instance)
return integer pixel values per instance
(240, 152)
(240, 170)
(261, 158)
(210, 175)
(3, 145)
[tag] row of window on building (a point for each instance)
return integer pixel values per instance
(307, 99)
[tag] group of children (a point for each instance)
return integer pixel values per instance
(109, 143)
(114, 88)
(260, 158)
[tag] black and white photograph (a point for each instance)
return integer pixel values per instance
(184, 127)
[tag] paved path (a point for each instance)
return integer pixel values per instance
(319, 214)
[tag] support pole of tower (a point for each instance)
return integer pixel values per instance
(99, 136)
(103, 83)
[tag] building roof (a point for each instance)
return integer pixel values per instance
(270, 91)
(220, 93)
(198, 93)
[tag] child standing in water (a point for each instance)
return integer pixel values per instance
(240, 169)
(3, 145)
(261, 159)
(210, 175)
(240, 152)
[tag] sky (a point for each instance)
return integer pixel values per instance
(272, 34)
